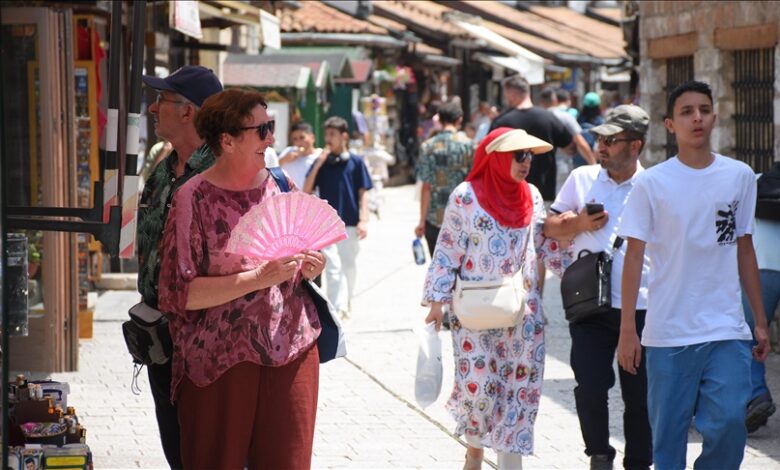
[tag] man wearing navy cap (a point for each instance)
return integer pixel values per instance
(179, 96)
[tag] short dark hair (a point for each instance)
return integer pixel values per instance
(336, 122)
(518, 83)
(547, 96)
(302, 126)
(562, 95)
(692, 85)
(226, 112)
(449, 113)
(634, 135)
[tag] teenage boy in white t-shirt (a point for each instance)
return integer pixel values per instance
(694, 214)
(297, 159)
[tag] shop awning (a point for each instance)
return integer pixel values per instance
(257, 75)
(519, 58)
(532, 73)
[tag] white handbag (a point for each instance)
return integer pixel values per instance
(499, 303)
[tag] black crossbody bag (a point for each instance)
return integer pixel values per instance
(586, 285)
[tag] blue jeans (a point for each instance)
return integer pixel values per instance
(770, 294)
(710, 381)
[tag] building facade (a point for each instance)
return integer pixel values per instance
(733, 46)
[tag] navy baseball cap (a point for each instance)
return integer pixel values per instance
(194, 82)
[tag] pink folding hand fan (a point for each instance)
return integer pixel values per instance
(284, 225)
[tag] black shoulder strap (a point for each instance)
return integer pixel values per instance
(281, 180)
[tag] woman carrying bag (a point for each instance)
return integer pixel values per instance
(486, 248)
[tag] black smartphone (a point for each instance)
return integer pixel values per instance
(594, 207)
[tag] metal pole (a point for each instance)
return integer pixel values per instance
(111, 168)
(4, 363)
(129, 194)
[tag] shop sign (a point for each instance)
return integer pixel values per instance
(185, 18)
(269, 24)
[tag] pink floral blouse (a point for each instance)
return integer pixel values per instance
(269, 327)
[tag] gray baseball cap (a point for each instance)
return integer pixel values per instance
(626, 117)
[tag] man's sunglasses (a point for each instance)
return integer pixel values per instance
(263, 129)
(523, 155)
(611, 140)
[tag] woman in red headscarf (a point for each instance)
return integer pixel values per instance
(487, 234)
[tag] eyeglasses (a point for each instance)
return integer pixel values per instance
(611, 140)
(523, 155)
(160, 97)
(263, 129)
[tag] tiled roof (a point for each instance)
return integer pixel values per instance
(317, 17)
(361, 71)
(386, 23)
(613, 14)
(423, 48)
(531, 42)
(606, 34)
(422, 15)
(552, 25)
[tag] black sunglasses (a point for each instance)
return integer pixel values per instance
(523, 155)
(611, 140)
(263, 129)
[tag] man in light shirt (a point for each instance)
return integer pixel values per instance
(594, 339)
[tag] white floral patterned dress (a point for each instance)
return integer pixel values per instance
(498, 372)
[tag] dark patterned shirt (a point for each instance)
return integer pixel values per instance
(445, 161)
(153, 210)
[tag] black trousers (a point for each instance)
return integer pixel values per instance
(593, 345)
(167, 417)
(431, 235)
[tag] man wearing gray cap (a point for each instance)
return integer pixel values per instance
(179, 96)
(586, 213)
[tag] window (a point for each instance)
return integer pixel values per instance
(678, 70)
(753, 107)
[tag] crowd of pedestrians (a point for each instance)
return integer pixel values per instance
(683, 346)
(243, 349)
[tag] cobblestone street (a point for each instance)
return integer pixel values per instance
(367, 414)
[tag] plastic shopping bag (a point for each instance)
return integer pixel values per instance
(427, 383)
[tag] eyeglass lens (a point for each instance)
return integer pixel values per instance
(523, 155)
(264, 129)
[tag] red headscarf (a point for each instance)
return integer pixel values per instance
(506, 200)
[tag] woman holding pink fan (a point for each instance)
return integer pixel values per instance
(245, 361)
(484, 267)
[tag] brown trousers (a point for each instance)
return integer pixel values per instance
(255, 416)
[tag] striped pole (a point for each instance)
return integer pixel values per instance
(111, 168)
(130, 186)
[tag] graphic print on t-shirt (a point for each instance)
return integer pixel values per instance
(726, 224)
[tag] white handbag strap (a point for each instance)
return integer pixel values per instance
(525, 245)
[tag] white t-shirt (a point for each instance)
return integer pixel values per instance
(591, 183)
(690, 220)
(298, 168)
